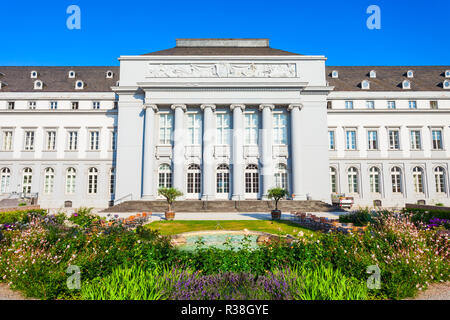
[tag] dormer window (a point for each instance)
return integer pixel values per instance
(335, 74)
(406, 84)
(109, 74)
(410, 74)
(365, 85)
(79, 85)
(373, 74)
(447, 74)
(446, 84)
(72, 74)
(38, 85)
(33, 74)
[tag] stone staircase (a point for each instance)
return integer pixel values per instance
(221, 206)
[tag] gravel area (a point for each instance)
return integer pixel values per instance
(7, 294)
(435, 291)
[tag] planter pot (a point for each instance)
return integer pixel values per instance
(276, 214)
(170, 215)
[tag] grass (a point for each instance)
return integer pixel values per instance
(273, 227)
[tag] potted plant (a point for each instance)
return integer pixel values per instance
(171, 194)
(276, 194)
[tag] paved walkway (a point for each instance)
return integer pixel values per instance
(7, 294)
(436, 291)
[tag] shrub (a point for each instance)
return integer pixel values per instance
(358, 218)
(20, 216)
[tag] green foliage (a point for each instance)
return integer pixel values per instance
(276, 194)
(84, 217)
(425, 215)
(21, 216)
(171, 194)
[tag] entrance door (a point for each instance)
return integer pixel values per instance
(194, 178)
(251, 182)
(223, 182)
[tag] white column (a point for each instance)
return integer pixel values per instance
(266, 155)
(208, 151)
(296, 148)
(178, 148)
(148, 190)
(238, 151)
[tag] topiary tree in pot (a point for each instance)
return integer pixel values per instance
(276, 194)
(171, 194)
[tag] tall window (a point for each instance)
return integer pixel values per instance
(374, 180)
(5, 180)
(351, 139)
(49, 180)
(281, 177)
(418, 179)
(439, 177)
(331, 140)
(112, 180)
(437, 139)
(165, 176)
(71, 175)
(53, 105)
(279, 128)
(391, 105)
(74, 105)
(194, 179)
(113, 134)
(333, 179)
(94, 140)
(27, 180)
(96, 105)
(396, 178)
(348, 104)
(370, 104)
(223, 132)
(251, 128)
(51, 141)
(72, 140)
(252, 179)
(194, 128)
(165, 128)
(394, 140)
(223, 179)
(372, 136)
(29, 140)
(32, 105)
(11, 105)
(412, 105)
(7, 141)
(416, 143)
(92, 181)
(352, 176)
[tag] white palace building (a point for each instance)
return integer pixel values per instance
(225, 119)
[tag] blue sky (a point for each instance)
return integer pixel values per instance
(412, 32)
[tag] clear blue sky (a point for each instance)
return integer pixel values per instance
(412, 32)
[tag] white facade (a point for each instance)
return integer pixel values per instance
(222, 126)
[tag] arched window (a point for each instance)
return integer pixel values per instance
(374, 180)
(194, 178)
(71, 175)
(252, 179)
(352, 175)
(333, 180)
(223, 179)
(27, 180)
(112, 180)
(418, 179)
(439, 177)
(49, 180)
(92, 181)
(396, 177)
(165, 176)
(5, 180)
(281, 177)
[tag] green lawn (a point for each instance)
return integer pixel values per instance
(273, 227)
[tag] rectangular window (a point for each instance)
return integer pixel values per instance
(72, 140)
(95, 105)
(51, 141)
(331, 140)
(74, 105)
(394, 140)
(372, 136)
(113, 139)
(348, 104)
(29, 141)
(251, 129)
(194, 129)
(370, 104)
(437, 139)
(415, 140)
(32, 105)
(434, 105)
(412, 105)
(94, 139)
(53, 105)
(351, 139)
(11, 105)
(223, 131)
(165, 128)
(391, 105)
(7, 141)
(279, 128)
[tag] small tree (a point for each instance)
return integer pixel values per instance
(276, 194)
(171, 194)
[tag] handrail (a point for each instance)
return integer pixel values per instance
(116, 201)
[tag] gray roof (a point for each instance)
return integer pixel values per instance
(388, 78)
(221, 51)
(56, 79)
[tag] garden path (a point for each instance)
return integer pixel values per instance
(7, 294)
